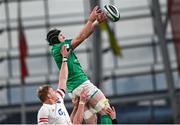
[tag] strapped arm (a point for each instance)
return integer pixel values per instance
(63, 73)
(63, 76)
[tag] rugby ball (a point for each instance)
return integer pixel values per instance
(112, 12)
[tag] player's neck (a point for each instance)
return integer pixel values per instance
(50, 102)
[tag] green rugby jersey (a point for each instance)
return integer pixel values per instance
(76, 75)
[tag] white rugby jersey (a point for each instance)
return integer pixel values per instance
(55, 113)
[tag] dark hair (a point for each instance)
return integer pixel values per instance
(52, 36)
(42, 92)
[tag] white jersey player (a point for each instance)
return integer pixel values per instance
(54, 113)
(53, 110)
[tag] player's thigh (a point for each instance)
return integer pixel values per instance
(99, 102)
(96, 98)
(88, 87)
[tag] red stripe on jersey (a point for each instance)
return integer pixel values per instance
(59, 93)
(43, 120)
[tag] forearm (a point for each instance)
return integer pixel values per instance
(63, 76)
(88, 29)
(85, 33)
(78, 117)
(73, 113)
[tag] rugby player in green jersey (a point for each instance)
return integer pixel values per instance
(77, 79)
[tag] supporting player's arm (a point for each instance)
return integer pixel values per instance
(78, 117)
(112, 113)
(73, 113)
(63, 73)
(75, 102)
(97, 16)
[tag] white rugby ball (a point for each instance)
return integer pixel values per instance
(112, 12)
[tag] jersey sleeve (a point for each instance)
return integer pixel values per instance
(43, 116)
(60, 93)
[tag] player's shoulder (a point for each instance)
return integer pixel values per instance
(43, 114)
(68, 40)
(56, 48)
(56, 45)
(44, 108)
(60, 44)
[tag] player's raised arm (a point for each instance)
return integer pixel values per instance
(63, 73)
(97, 16)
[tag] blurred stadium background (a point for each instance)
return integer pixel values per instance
(142, 83)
